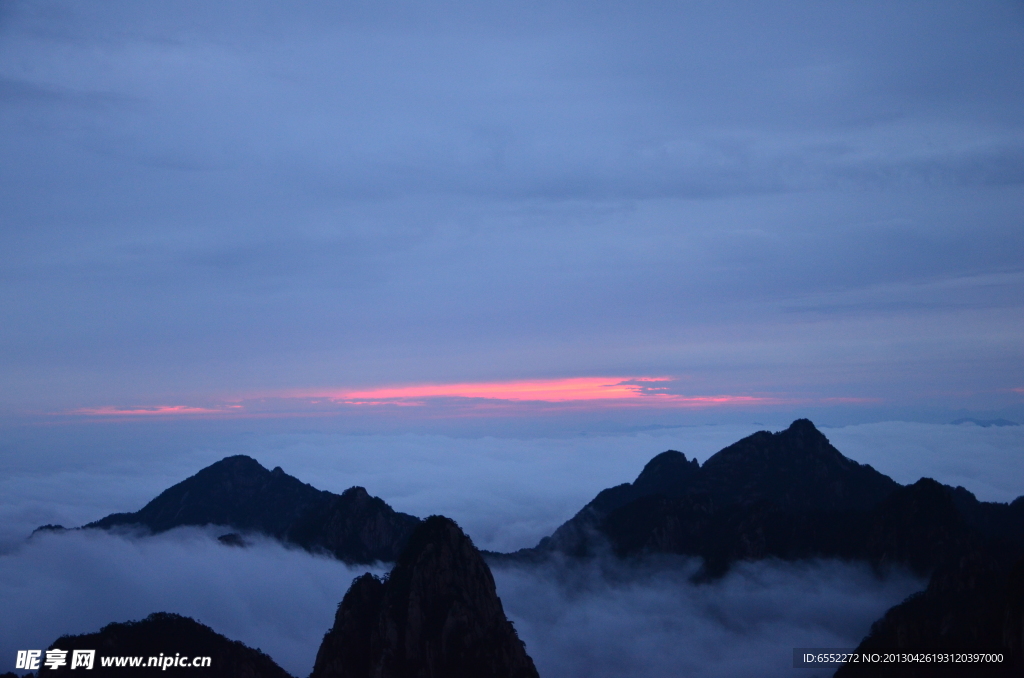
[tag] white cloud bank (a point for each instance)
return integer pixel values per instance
(277, 599)
(579, 621)
(586, 621)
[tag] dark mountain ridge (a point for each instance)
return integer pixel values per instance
(436, 615)
(676, 505)
(165, 635)
(796, 469)
(973, 604)
(792, 495)
(239, 493)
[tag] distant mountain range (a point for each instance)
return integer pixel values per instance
(789, 495)
(792, 495)
(240, 494)
(770, 494)
(984, 423)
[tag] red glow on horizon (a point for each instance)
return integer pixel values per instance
(598, 391)
(543, 390)
(472, 399)
(162, 410)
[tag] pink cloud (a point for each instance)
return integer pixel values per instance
(542, 390)
(570, 392)
(500, 398)
(160, 410)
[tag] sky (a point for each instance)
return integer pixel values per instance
(470, 218)
(485, 260)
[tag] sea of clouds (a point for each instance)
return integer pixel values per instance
(592, 620)
(595, 620)
(279, 600)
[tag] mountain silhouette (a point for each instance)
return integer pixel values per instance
(792, 495)
(676, 505)
(436, 615)
(239, 493)
(984, 423)
(973, 604)
(165, 635)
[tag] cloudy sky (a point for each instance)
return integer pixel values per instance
(381, 212)
(486, 259)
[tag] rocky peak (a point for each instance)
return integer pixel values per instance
(795, 468)
(436, 615)
(239, 493)
(356, 493)
(667, 473)
(240, 469)
(804, 428)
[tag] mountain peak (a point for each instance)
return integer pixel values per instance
(436, 532)
(804, 427)
(239, 493)
(797, 467)
(237, 462)
(436, 614)
(667, 473)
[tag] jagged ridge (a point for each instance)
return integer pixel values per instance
(793, 495)
(239, 493)
(796, 471)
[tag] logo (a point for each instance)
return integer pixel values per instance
(55, 658)
(28, 659)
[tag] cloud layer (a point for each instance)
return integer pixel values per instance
(279, 600)
(600, 620)
(596, 620)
